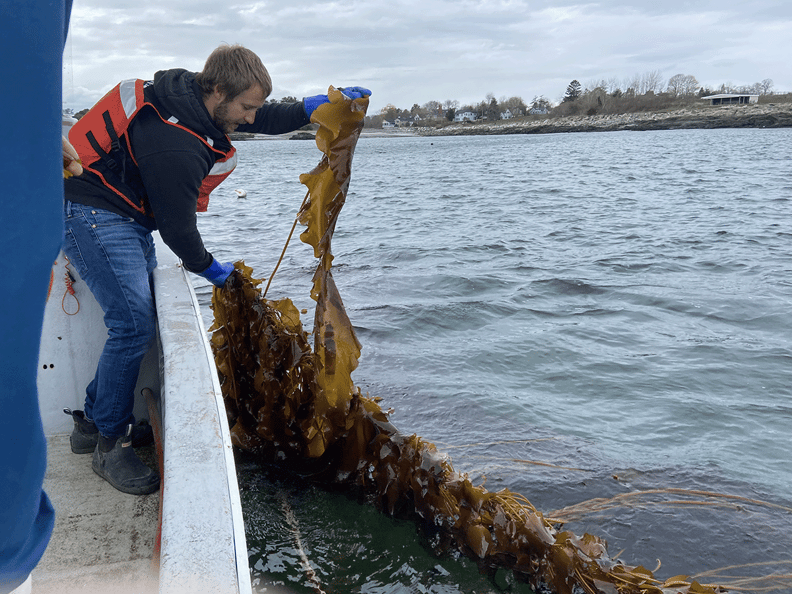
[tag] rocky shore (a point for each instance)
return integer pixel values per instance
(771, 115)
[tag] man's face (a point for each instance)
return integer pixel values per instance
(240, 110)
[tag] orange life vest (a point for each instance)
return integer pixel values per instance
(99, 134)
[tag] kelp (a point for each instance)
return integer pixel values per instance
(292, 403)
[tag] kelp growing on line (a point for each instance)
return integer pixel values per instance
(287, 401)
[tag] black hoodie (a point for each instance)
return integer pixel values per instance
(172, 163)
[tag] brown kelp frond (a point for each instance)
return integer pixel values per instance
(292, 403)
(658, 497)
(777, 582)
(266, 367)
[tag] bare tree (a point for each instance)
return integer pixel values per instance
(613, 85)
(596, 84)
(675, 84)
(682, 85)
(515, 105)
(766, 86)
(653, 81)
(433, 109)
(488, 108)
(635, 84)
(691, 85)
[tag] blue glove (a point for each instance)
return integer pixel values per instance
(355, 92)
(217, 273)
(311, 103)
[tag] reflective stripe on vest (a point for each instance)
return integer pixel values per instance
(120, 105)
(221, 170)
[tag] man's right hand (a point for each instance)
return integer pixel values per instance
(218, 273)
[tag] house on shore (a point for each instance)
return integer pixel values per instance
(404, 121)
(732, 99)
(401, 122)
(465, 116)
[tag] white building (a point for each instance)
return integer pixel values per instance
(732, 98)
(463, 116)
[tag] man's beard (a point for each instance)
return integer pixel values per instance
(220, 117)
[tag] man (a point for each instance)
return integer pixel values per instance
(152, 152)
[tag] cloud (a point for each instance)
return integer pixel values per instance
(410, 51)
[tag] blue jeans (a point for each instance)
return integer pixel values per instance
(115, 257)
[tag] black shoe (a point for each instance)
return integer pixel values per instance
(85, 434)
(117, 463)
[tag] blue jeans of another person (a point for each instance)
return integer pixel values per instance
(115, 257)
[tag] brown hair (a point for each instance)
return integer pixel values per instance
(234, 69)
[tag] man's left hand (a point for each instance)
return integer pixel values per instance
(71, 160)
(311, 103)
(355, 92)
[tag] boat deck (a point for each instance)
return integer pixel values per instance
(103, 540)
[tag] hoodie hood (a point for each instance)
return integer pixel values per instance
(179, 95)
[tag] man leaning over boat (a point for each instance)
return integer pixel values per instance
(152, 152)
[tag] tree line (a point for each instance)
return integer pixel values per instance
(679, 85)
(641, 92)
(646, 92)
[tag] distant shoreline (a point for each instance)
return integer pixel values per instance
(771, 115)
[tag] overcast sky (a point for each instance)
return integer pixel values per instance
(414, 51)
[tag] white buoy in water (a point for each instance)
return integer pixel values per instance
(241, 193)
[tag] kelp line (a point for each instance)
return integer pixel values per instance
(288, 402)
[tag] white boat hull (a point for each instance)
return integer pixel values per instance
(202, 546)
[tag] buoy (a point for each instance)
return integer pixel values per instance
(241, 193)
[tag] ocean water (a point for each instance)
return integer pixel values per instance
(570, 316)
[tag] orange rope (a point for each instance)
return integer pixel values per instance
(283, 253)
(52, 278)
(69, 280)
